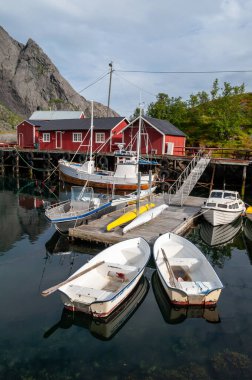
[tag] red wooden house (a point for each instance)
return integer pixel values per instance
(27, 131)
(157, 137)
(70, 135)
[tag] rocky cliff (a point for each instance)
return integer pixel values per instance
(30, 81)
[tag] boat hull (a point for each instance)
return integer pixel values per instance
(217, 217)
(120, 184)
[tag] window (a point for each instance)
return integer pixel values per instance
(46, 137)
(77, 137)
(100, 137)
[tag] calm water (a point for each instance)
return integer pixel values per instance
(148, 339)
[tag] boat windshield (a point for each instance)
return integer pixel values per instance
(216, 194)
(228, 195)
(80, 193)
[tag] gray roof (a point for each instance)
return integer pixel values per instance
(164, 126)
(56, 115)
(103, 123)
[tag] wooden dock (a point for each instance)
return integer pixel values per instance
(174, 219)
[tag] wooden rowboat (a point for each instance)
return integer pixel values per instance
(186, 275)
(103, 283)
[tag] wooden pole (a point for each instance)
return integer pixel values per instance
(244, 175)
(212, 178)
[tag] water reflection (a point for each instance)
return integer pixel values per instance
(174, 314)
(219, 235)
(104, 329)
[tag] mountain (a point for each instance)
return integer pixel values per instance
(30, 81)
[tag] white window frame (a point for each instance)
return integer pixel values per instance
(77, 137)
(46, 137)
(100, 137)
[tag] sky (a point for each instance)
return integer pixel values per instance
(143, 39)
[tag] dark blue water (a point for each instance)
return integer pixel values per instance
(146, 339)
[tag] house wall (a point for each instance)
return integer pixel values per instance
(179, 144)
(26, 135)
(151, 139)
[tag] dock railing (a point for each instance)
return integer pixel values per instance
(182, 187)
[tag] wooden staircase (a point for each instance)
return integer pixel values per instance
(182, 187)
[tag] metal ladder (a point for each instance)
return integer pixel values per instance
(182, 187)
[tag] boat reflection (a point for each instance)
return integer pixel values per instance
(219, 235)
(174, 314)
(105, 328)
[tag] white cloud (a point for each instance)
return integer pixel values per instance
(82, 37)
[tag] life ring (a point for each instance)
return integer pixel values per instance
(165, 187)
(103, 162)
(164, 174)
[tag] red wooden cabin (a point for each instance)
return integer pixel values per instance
(157, 137)
(69, 135)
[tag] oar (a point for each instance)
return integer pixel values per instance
(53, 289)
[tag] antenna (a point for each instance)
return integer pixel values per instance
(110, 81)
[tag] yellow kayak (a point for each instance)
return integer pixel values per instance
(249, 210)
(128, 216)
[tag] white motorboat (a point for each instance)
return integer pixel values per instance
(103, 283)
(223, 207)
(186, 275)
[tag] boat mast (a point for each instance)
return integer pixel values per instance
(91, 129)
(139, 135)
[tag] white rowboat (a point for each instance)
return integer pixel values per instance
(102, 284)
(186, 275)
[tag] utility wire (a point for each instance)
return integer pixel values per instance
(97, 80)
(184, 72)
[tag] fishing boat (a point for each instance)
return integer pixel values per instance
(84, 205)
(186, 275)
(103, 283)
(124, 178)
(219, 235)
(175, 314)
(146, 217)
(128, 216)
(104, 328)
(222, 207)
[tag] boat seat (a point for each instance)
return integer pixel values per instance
(189, 262)
(196, 287)
(82, 294)
(121, 267)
